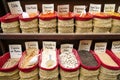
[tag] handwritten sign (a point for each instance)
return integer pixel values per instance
(31, 45)
(79, 9)
(116, 46)
(15, 51)
(31, 8)
(66, 47)
(47, 8)
(95, 8)
(109, 8)
(49, 45)
(15, 7)
(63, 9)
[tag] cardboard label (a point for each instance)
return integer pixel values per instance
(47, 8)
(95, 8)
(119, 9)
(31, 45)
(79, 9)
(15, 7)
(49, 45)
(109, 8)
(32, 8)
(100, 47)
(66, 47)
(15, 51)
(85, 45)
(63, 9)
(116, 46)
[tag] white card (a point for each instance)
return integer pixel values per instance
(100, 47)
(85, 45)
(31, 45)
(95, 8)
(15, 51)
(15, 7)
(66, 47)
(49, 45)
(31, 8)
(119, 9)
(78, 9)
(109, 8)
(63, 9)
(116, 46)
(47, 8)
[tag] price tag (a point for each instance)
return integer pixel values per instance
(15, 7)
(85, 45)
(63, 9)
(31, 45)
(100, 47)
(49, 45)
(47, 8)
(116, 46)
(15, 51)
(109, 8)
(66, 47)
(79, 9)
(95, 8)
(31, 8)
(119, 9)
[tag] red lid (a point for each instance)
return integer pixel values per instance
(26, 69)
(71, 69)
(83, 17)
(40, 60)
(68, 16)
(101, 15)
(3, 60)
(91, 67)
(9, 18)
(107, 66)
(32, 17)
(48, 16)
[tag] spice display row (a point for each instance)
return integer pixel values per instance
(65, 23)
(48, 64)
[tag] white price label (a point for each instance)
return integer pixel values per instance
(79, 9)
(116, 46)
(49, 45)
(47, 8)
(95, 8)
(100, 47)
(109, 8)
(15, 7)
(31, 45)
(15, 51)
(63, 9)
(32, 8)
(119, 9)
(66, 47)
(85, 45)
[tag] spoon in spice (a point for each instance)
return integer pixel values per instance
(50, 62)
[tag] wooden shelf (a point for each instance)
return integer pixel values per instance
(56, 36)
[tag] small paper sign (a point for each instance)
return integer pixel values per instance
(85, 45)
(95, 8)
(66, 47)
(119, 9)
(31, 45)
(47, 45)
(63, 9)
(100, 47)
(15, 7)
(109, 8)
(79, 9)
(32, 8)
(116, 46)
(15, 51)
(47, 8)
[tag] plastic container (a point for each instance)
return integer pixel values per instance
(27, 69)
(3, 60)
